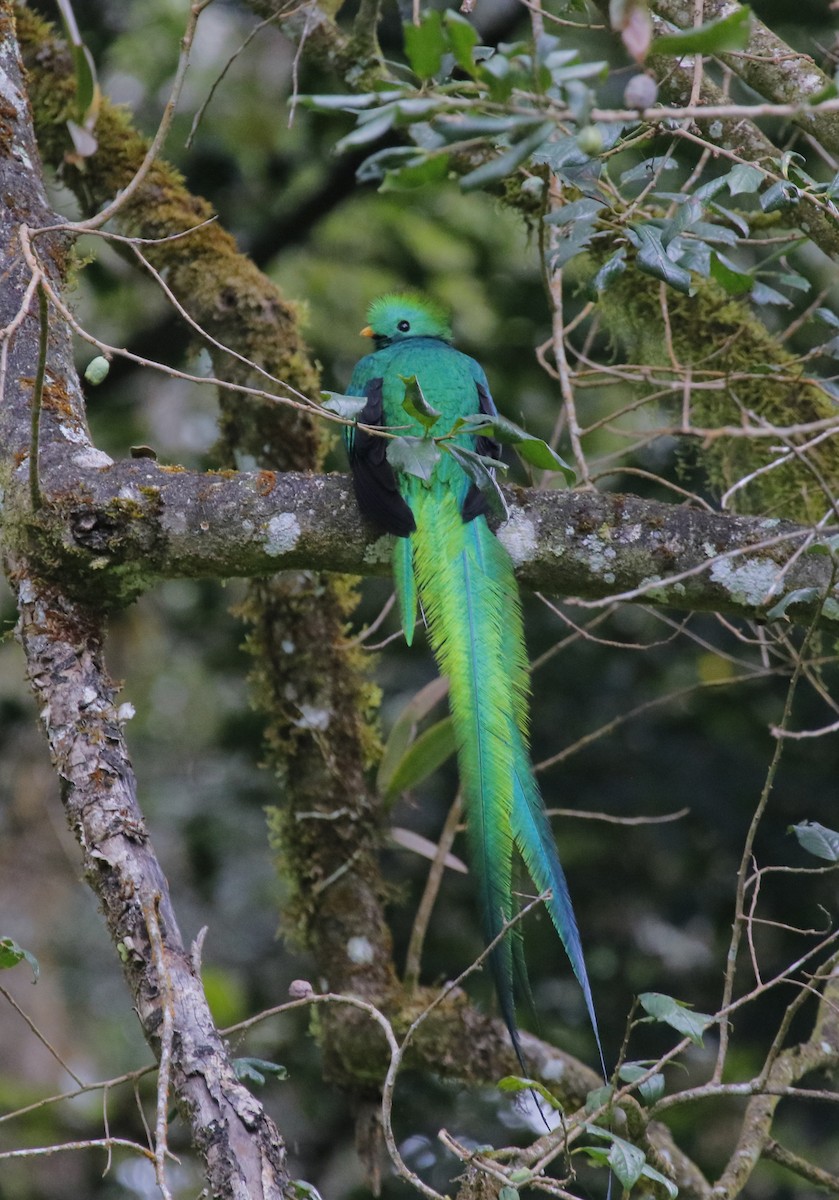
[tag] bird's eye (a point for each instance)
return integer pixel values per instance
(404, 326)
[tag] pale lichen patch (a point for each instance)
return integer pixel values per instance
(750, 583)
(92, 458)
(518, 537)
(283, 534)
(649, 588)
(360, 950)
(74, 434)
(312, 717)
(598, 554)
(380, 550)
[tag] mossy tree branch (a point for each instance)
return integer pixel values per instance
(768, 64)
(128, 525)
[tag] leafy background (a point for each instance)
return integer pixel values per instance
(654, 901)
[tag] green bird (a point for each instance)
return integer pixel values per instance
(447, 559)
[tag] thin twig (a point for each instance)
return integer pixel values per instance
(38, 399)
(44, 1042)
(154, 149)
(748, 849)
(413, 957)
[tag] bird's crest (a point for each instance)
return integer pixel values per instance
(401, 315)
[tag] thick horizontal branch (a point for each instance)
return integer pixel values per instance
(132, 523)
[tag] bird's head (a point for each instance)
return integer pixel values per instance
(394, 318)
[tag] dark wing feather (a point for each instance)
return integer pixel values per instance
(476, 504)
(376, 489)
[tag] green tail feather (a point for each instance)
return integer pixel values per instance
(406, 585)
(466, 603)
(534, 838)
(470, 598)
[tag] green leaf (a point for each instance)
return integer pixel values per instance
(599, 1096)
(348, 407)
(652, 258)
(762, 293)
(688, 213)
(692, 255)
(627, 1161)
(828, 316)
(744, 178)
(369, 131)
(622, 1157)
(505, 164)
(481, 471)
(462, 39)
(413, 455)
(458, 127)
(430, 750)
(572, 241)
(796, 596)
(11, 954)
(432, 169)
(712, 232)
(826, 545)
(499, 77)
(508, 1193)
(416, 405)
(578, 210)
(656, 1177)
(651, 1089)
(612, 267)
(817, 839)
(800, 282)
(87, 89)
(415, 108)
(305, 1191)
(781, 194)
(255, 1069)
(516, 1083)
(346, 102)
(789, 166)
(645, 170)
(425, 44)
(726, 33)
(531, 449)
(736, 283)
(675, 1014)
(539, 454)
(391, 158)
(404, 729)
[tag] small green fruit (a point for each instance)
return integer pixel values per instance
(590, 140)
(97, 369)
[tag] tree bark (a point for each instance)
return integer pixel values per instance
(62, 643)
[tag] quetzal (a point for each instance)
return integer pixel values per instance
(447, 558)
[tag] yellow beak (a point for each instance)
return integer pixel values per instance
(367, 331)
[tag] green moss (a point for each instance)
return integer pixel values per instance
(722, 341)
